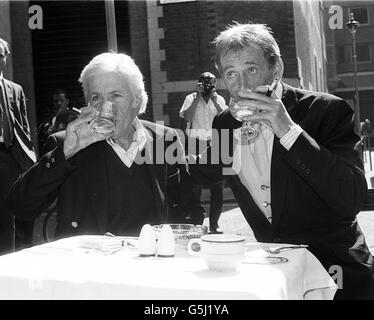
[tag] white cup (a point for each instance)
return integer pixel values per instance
(221, 252)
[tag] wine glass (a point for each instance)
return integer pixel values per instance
(249, 130)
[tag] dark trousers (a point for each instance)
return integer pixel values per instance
(15, 234)
(216, 202)
(206, 173)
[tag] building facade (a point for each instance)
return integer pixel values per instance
(183, 32)
(340, 58)
(170, 40)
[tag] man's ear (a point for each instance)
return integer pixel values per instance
(278, 69)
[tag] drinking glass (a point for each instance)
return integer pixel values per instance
(104, 123)
(249, 130)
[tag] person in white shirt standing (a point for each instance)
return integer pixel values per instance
(199, 109)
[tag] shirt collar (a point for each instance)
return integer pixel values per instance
(139, 136)
(138, 144)
(279, 90)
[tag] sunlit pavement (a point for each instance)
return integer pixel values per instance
(368, 159)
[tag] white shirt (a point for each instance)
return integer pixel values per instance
(201, 125)
(252, 162)
(139, 140)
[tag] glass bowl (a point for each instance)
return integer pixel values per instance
(183, 232)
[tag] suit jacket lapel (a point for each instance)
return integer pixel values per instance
(15, 113)
(289, 99)
(9, 95)
(94, 173)
(278, 181)
(20, 128)
(279, 171)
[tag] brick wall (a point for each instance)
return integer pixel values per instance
(139, 46)
(276, 14)
(189, 28)
(341, 74)
(364, 35)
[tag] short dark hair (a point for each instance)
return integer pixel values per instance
(205, 77)
(6, 46)
(60, 91)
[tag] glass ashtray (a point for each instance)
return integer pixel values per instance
(183, 232)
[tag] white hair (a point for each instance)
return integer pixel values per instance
(117, 62)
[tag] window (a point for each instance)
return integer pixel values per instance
(363, 53)
(360, 14)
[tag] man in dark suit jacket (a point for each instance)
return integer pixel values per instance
(16, 154)
(109, 179)
(299, 178)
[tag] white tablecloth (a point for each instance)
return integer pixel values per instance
(62, 270)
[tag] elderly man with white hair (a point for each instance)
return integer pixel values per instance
(110, 171)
